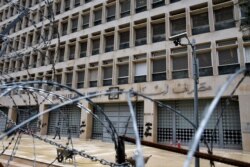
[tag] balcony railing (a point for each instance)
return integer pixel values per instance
(224, 24)
(84, 26)
(107, 82)
(158, 38)
(139, 79)
(92, 83)
(141, 41)
(158, 3)
(125, 13)
(206, 71)
(228, 69)
(80, 84)
(110, 18)
(141, 9)
(95, 51)
(122, 80)
(180, 74)
(97, 22)
(83, 54)
(159, 76)
(124, 45)
(200, 29)
(109, 48)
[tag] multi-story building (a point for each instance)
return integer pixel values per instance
(124, 44)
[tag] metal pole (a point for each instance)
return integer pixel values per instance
(196, 82)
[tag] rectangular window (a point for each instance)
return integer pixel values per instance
(80, 79)
(110, 13)
(159, 70)
(58, 7)
(180, 67)
(125, 8)
(200, 23)
(141, 36)
(158, 32)
(205, 63)
(123, 74)
(58, 79)
(247, 57)
(97, 17)
(77, 3)
(178, 26)
(64, 28)
(96, 46)
(61, 55)
(107, 76)
(83, 49)
(67, 5)
(109, 43)
(141, 5)
(140, 72)
(71, 52)
(69, 77)
(247, 54)
(74, 25)
(87, 1)
(85, 21)
(158, 3)
(124, 40)
(228, 61)
(224, 18)
(51, 57)
(93, 78)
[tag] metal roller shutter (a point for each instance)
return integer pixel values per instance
(119, 115)
(3, 119)
(68, 117)
(24, 113)
(172, 127)
(231, 124)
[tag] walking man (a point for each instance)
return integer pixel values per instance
(57, 131)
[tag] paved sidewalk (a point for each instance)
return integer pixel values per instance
(47, 153)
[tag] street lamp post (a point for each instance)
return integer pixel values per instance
(177, 41)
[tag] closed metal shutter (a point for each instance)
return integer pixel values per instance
(68, 117)
(172, 128)
(231, 124)
(119, 115)
(24, 113)
(3, 119)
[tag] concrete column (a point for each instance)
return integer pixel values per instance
(241, 52)
(244, 106)
(116, 36)
(149, 31)
(211, 16)
(215, 60)
(88, 119)
(89, 46)
(132, 35)
(44, 120)
(150, 117)
(66, 51)
(77, 49)
(74, 79)
(12, 114)
(102, 47)
(188, 22)
(132, 7)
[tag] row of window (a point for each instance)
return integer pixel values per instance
(223, 18)
(141, 33)
(134, 69)
(60, 6)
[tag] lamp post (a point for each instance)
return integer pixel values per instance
(177, 41)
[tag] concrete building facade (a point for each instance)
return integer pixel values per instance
(123, 45)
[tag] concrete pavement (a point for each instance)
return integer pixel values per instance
(47, 153)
